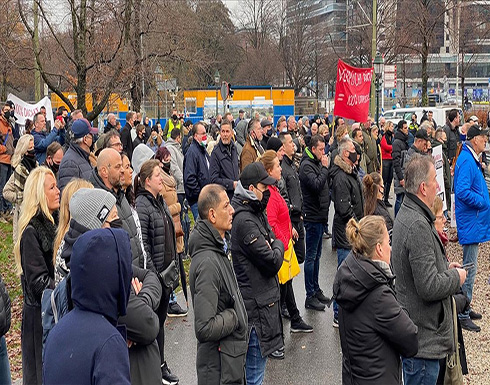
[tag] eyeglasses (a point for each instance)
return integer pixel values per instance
(117, 144)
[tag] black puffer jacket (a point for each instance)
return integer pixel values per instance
(257, 258)
(220, 317)
(347, 198)
(126, 215)
(381, 210)
(400, 144)
(293, 187)
(374, 329)
(157, 230)
(314, 185)
(452, 140)
(5, 314)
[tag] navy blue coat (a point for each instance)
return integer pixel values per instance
(85, 347)
(196, 171)
(75, 164)
(223, 167)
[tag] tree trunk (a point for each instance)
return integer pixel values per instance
(425, 75)
(137, 86)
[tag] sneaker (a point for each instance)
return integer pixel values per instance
(327, 235)
(285, 312)
(300, 326)
(468, 324)
(174, 310)
(475, 315)
(167, 377)
(314, 304)
(335, 323)
(323, 298)
(278, 354)
(388, 204)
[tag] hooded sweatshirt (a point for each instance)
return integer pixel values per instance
(93, 350)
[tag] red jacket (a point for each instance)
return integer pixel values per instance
(278, 216)
(385, 149)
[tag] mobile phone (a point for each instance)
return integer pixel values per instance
(468, 266)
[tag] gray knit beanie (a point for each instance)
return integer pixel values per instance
(90, 207)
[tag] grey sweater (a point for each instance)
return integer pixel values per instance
(424, 283)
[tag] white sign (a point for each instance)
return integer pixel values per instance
(390, 68)
(390, 84)
(25, 110)
(439, 162)
(390, 76)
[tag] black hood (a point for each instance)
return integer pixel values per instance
(355, 279)
(400, 135)
(206, 237)
(75, 230)
(245, 200)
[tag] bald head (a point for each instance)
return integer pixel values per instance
(109, 168)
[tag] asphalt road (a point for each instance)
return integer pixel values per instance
(311, 358)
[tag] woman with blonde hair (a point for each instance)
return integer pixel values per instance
(374, 329)
(23, 162)
(33, 254)
(280, 222)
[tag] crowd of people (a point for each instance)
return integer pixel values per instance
(101, 229)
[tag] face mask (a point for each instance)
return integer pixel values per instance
(154, 137)
(346, 136)
(7, 114)
(55, 167)
(204, 141)
(31, 153)
(116, 223)
(166, 167)
(136, 122)
(353, 156)
(265, 198)
(174, 117)
(270, 132)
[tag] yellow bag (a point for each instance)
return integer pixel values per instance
(290, 266)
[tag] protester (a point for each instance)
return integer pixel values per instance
(374, 329)
(155, 141)
(370, 149)
(257, 258)
(169, 195)
(425, 281)
(472, 208)
(94, 351)
(111, 123)
(278, 218)
(5, 320)
(452, 134)
(76, 161)
(23, 162)
(223, 166)
(41, 137)
(6, 151)
(126, 136)
(108, 176)
(373, 199)
(196, 167)
(33, 253)
(171, 124)
(252, 148)
(140, 136)
(220, 317)
(399, 149)
(157, 229)
(313, 175)
(54, 155)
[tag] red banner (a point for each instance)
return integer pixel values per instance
(352, 92)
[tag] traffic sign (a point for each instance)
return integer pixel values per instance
(224, 90)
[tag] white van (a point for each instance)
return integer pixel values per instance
(439, 114)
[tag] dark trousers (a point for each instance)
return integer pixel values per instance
(32, 345)
(387, 177)
(287, 298)
(162, 316)
(299, 245)
(5, 172)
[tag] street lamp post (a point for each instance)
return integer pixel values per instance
(378, 71)
(216, 83)
(159, 86)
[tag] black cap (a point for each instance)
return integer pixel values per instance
(474, 131)
(255, 173)
(274, 144)
(422, 134)
(10, 103)
(265, 122)
(241, 111)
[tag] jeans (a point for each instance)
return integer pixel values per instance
(255, 363)
(314, 236)
(470, 255)
(4, 363)
(195, 213)
(341, 255)
(387, 177)
(5, 171)
(173, 298)
(419, 371)
(398, 202)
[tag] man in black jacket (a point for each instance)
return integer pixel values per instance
(257, 258)
(126, 138)
(399, 148)
(347, 198)
(107, 176)
(223, 166)
(313, 174)
(220, 317)
(452, 133)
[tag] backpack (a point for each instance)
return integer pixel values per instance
(55, 304)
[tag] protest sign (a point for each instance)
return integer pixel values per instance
(24, 110)
(439, 163)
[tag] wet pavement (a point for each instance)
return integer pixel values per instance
(311, 358)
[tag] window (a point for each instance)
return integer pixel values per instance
(190, 105)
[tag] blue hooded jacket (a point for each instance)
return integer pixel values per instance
(472, 202)
(85, 347)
